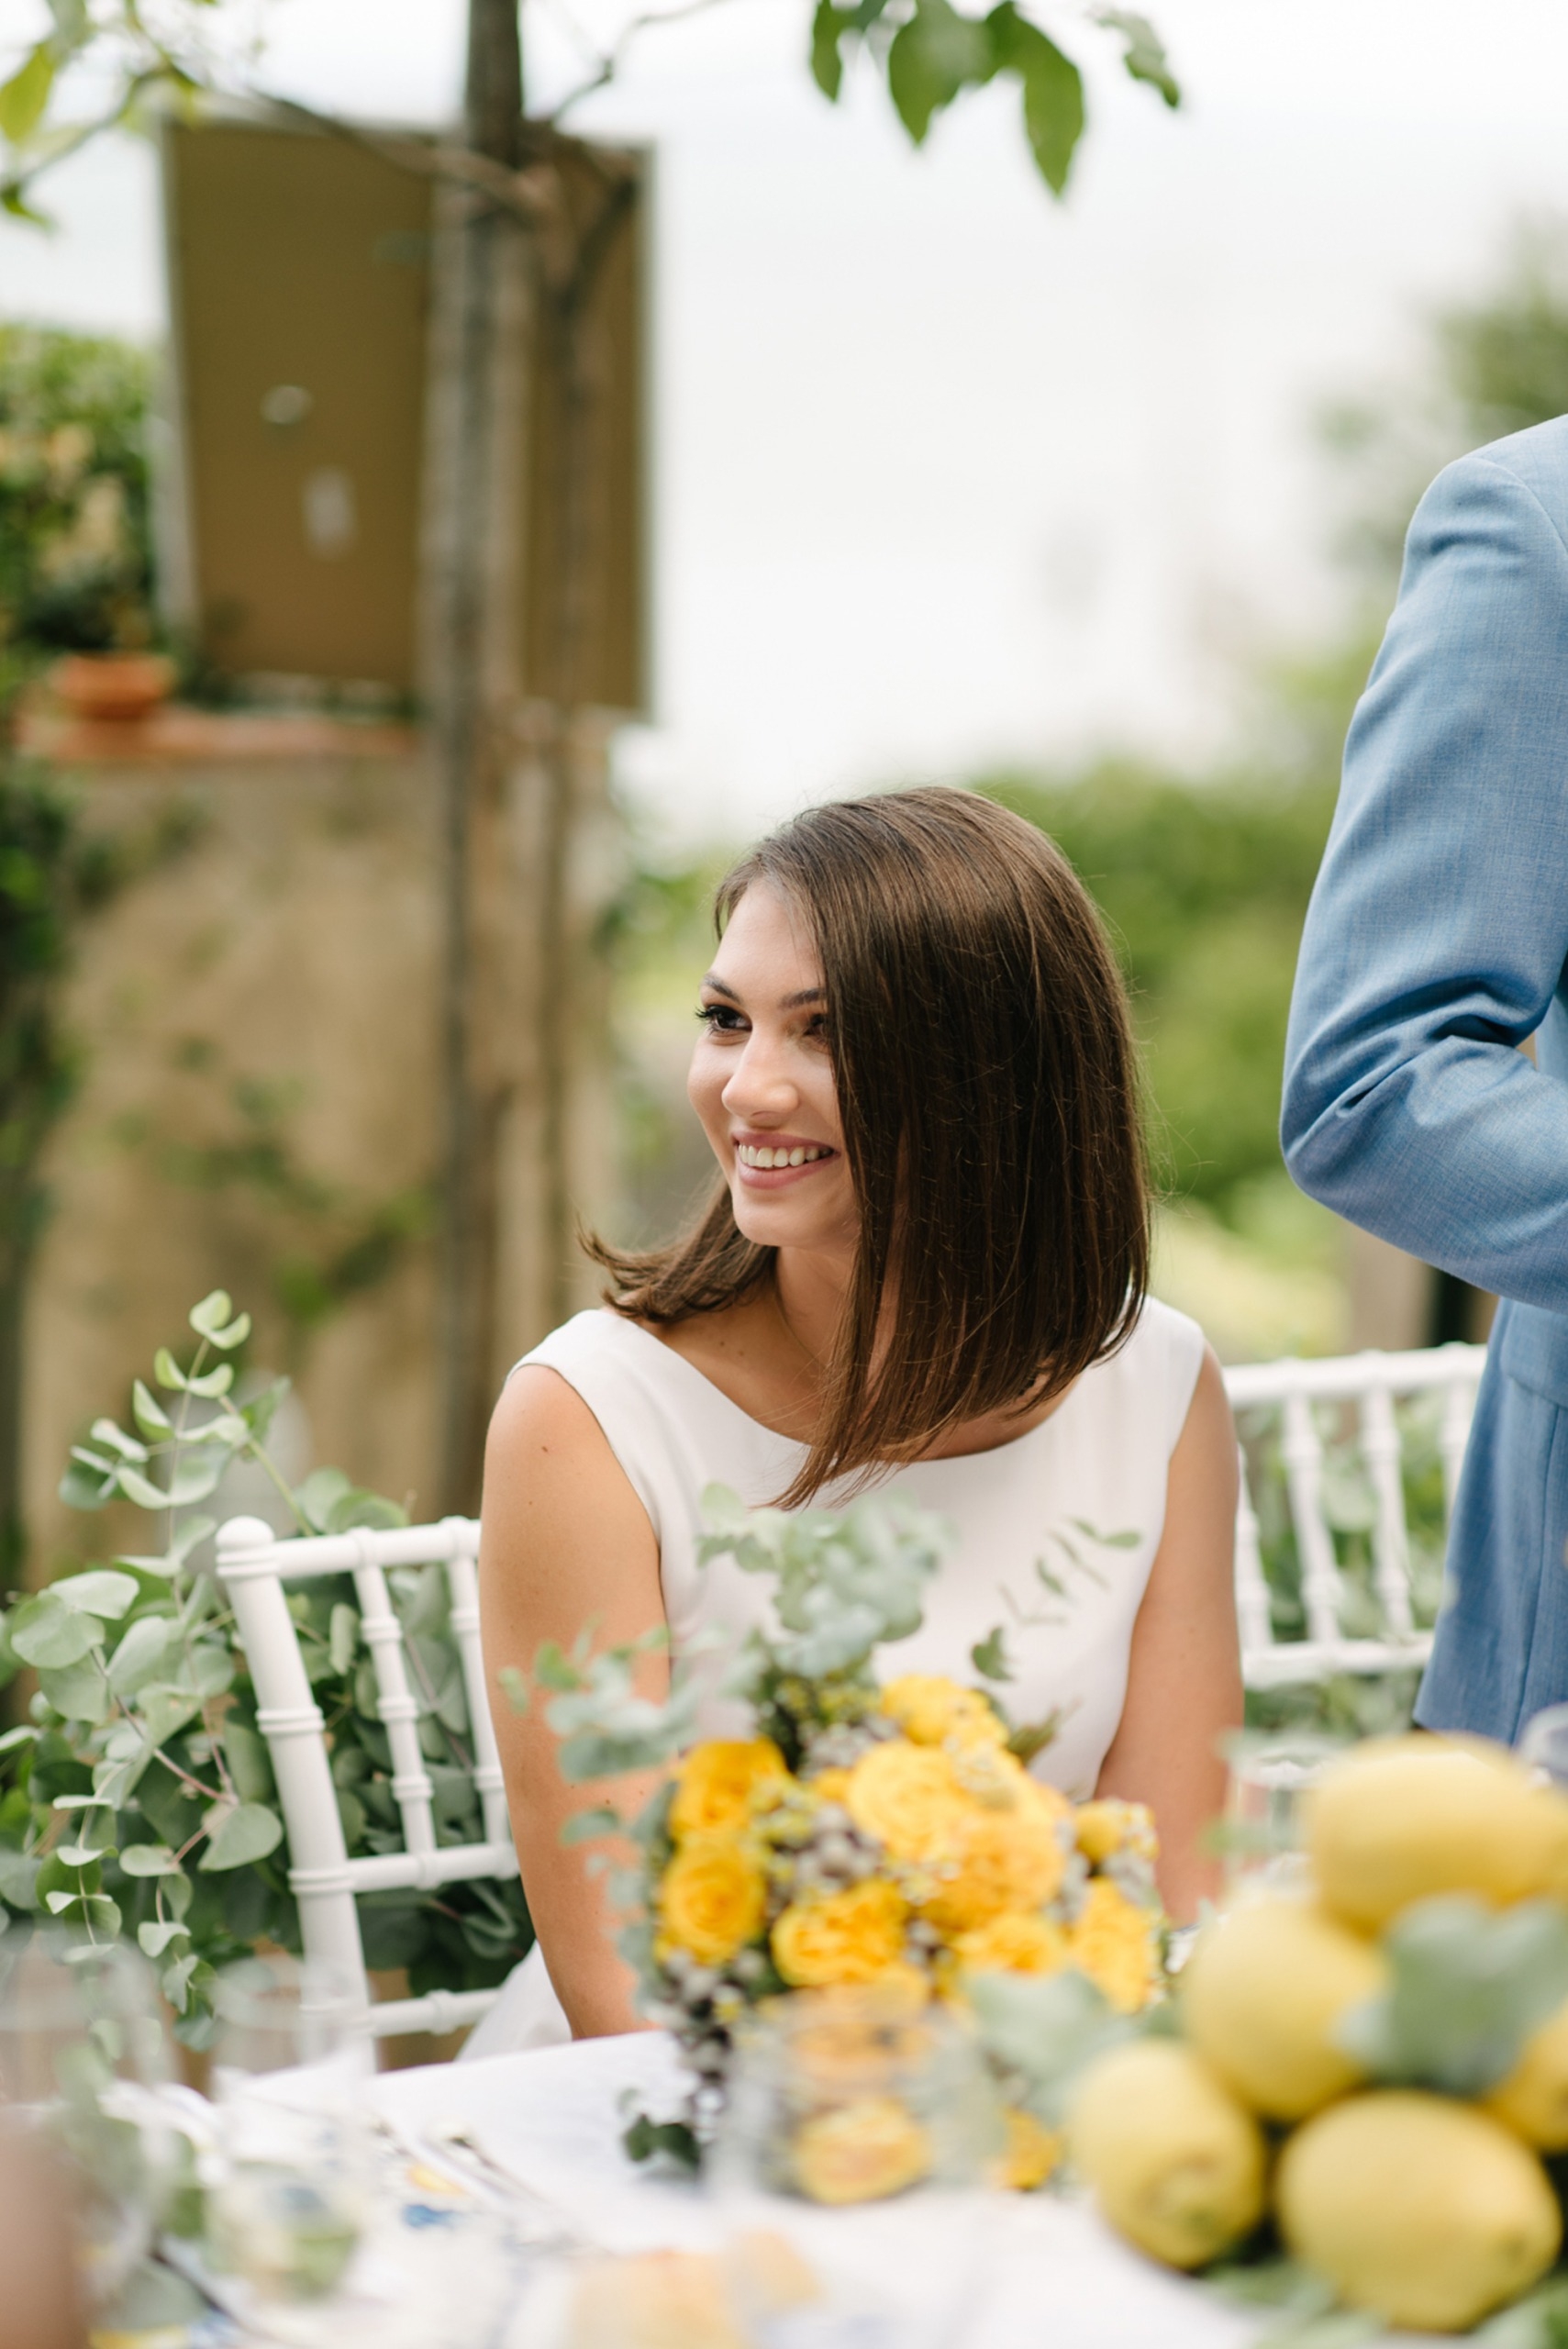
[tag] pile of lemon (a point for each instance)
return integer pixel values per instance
(1430, 2208)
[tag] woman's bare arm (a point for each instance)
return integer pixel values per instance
(565, 1542)
(1184, 1683)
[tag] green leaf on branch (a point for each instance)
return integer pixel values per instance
(329, 1503)
(149, 1859)
(989, 1656)
(195, 1529)
(828, 27)
(258, 1413)
(212, 1382)
(215, 1320)
(100, 1591)
(139, 1488)
(164, 1708)
(149, 1415)
(168, 1374)
(193, 1480)
(19, 1879)
(156, 1937)
(1044, 2028)
(86, 1484)
(45, 1631)
(1467, 1987)
(249, 1765)
(935, 55)
(240, 1834)
(148, 1652)
(1054, 92)
(25, 96)
(343, 1637)
(113, 1439)
(1145, 57)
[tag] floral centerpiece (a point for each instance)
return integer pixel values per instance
(865, 1833)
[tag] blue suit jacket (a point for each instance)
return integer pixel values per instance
(1437, 941)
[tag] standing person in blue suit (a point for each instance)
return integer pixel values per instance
(1436, 946)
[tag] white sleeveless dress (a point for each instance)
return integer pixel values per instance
(1056, 1532)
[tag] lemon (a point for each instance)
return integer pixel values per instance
(1533, 2100)
(1401, 1819)
(1260, 1997)
(1176, 2164)
(1418, 2207)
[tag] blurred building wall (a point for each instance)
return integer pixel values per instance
(257, 1014)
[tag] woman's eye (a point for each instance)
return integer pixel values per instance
(720, 1018)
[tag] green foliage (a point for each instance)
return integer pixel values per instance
(75, 546)
(138, 1796)
(1205, 890)
(1467, 1987)
(1040, 2032)
(932, 51)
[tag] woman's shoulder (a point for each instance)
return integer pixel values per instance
(1156, 1371)
(597, 1335)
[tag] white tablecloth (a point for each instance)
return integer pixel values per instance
(1046, 2275)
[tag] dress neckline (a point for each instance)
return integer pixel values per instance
(789, 1443)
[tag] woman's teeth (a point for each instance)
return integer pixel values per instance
(755, 1155)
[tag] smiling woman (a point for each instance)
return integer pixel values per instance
(924, 1258)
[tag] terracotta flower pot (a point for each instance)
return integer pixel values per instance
(117, 687)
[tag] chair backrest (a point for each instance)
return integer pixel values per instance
(254, 1564)
(1306, 1425)
(1344, 1448)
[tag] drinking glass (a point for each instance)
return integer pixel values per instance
(84, 2055)
(290, 2198)
(1261, 1836)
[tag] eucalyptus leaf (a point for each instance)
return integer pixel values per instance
(84, 1485)
(989, 1656)
(240, 1834)
(1467, 1986)
(156, 1937)
(343, 1637)
(585, 1826)
(139, 1488)
(82, 1855)
(149, 1648)
(46, 1631)
(193, 1480)
(149, 1415)
(1044, 2028)
(164, 1708)
(100, 1591)
(249, 1765)
(167, 1372)
(113, 1439)
(18, 1878)
(213, 1383)
(149, 1859)
(78, 1692)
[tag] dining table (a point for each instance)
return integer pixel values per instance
(978, 2270)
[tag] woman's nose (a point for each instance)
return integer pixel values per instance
(759, 1085)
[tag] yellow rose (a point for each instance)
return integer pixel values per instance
(830, 1785)
(1112, 1941)
(1030, 2153)
(907, 1796)
(850, 1936)
(995, 1861)
(931, 1711)
(1105, 1828)
(712, 1901)
(861, 2152)
(1013, 1944)
(713, 1793)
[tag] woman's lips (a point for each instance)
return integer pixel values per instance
(777, 1177)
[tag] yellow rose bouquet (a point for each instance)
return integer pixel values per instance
(868, 1832)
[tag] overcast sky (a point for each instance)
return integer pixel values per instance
(946, 473)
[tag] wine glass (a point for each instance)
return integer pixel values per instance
(865, 2096)
(1261, 1835)
(289, 2200)
(83, 2055)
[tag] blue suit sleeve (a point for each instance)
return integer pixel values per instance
(1438, 932)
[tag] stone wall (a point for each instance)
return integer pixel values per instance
(260, 1106)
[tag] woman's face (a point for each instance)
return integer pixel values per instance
(762, 1082)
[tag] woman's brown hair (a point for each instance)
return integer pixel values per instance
(988, 1095)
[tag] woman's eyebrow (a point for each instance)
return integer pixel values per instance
(786, 1003)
